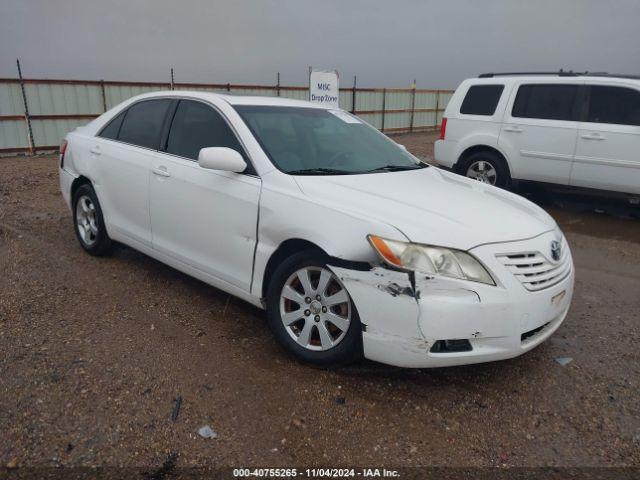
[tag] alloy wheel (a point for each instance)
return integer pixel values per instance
(86, 220)
(483, 171)
(315, 308)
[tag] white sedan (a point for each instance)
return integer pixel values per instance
(352, 245)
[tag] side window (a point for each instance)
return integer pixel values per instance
(546, 101)
(481, 100)
(614, 105)
(113, 127)
(142, 124)
(195, 126)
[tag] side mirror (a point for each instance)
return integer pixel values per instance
(403, 147)
(221, 158)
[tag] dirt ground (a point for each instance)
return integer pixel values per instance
(94, 352)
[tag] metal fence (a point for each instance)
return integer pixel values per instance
(35, 114)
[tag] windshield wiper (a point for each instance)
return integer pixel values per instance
(397, 168)
(319, 171)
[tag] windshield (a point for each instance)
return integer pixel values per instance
(313, 141)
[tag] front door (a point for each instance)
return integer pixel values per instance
(539, 132)
(204, 218)
(608, 147)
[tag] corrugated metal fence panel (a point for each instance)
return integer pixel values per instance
(398, 100)
(13, 134)
(367, 100)
(116, 94)
(374, 119)
(296, 94)
(397, 120)
(63, 99)
(424, 119)
(346, 100)
(51, 132)
(425, 100)
(262, 92)
(71, 97)
(11, 99)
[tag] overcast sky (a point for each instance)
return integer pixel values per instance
(385, 43)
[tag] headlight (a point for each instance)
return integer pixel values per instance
(431, 260)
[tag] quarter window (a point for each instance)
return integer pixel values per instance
(142, 124)
(195, 126)
(481, 100)
(617, 105)
(546, 101)
(113, 127)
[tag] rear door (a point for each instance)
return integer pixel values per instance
(608, 149)
(539, 130)
(125, 148)
(205, 218)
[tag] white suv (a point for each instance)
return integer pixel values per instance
(579, 130)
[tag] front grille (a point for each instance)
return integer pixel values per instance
(534, 270)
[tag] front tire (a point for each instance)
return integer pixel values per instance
(311, 313)
(486, 167)
(88, 222)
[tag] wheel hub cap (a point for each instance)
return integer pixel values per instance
(315, 307)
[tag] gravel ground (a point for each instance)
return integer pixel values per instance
(96, 350)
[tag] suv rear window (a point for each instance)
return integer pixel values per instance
(546, 101)
(143, 122)
(481, 100)
(617, 105)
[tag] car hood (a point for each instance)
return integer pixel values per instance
(432, 206)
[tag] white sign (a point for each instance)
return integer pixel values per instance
(323, 88)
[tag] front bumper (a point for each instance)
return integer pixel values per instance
(403, 320)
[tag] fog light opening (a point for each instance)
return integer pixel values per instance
(451, 346)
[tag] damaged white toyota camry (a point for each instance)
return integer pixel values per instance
(352, 245)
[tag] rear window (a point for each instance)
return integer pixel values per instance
(617, 105)
(546, 101)
(143, 123)
(481, 100)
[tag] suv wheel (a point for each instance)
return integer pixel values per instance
(311, 313)
(486, 167)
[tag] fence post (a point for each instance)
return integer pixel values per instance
(278, 85)
(172, 82)
(384, 105)
(413, 105)
(27, 117)
(353, 96)
(104, 96)
(435, 122)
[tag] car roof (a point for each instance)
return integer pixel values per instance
(551, 78)
(233, 99)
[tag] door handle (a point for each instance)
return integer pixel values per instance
(95, 150)
(592, 136)
(513, 129)
(161, 172)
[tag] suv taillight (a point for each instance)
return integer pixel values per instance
(443, 128)
(63, 148)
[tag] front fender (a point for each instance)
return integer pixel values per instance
(339, 233)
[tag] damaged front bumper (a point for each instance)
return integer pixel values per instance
(404, 317)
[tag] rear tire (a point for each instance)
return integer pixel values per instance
(304, 299)
(88, 222)
(487, 167)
